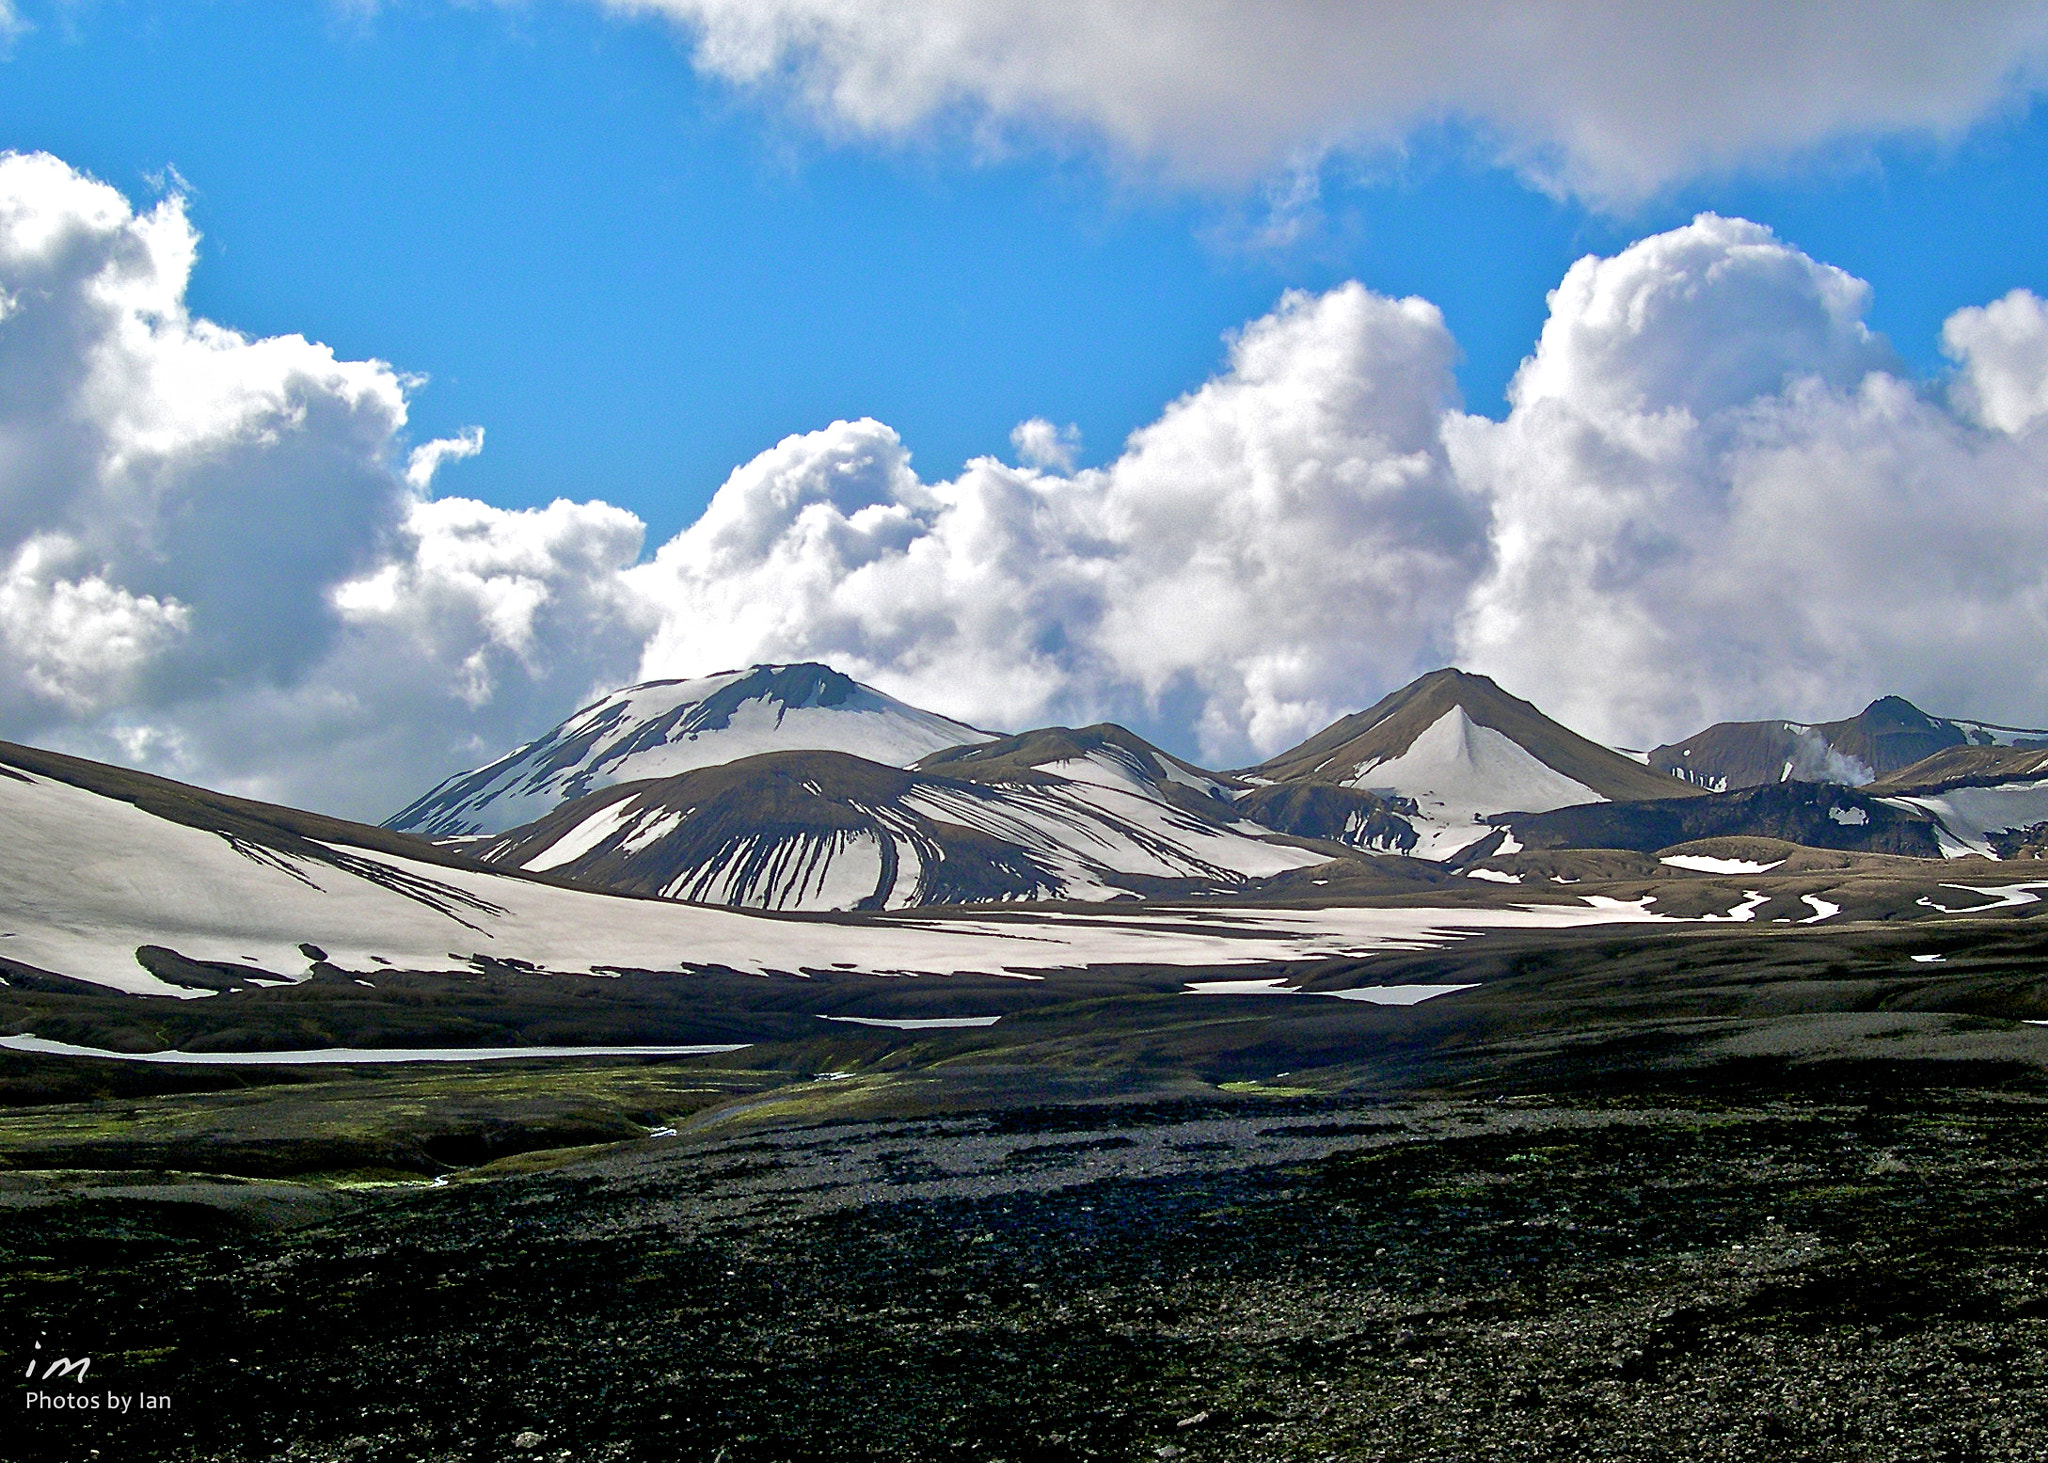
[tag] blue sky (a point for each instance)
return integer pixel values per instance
(661, 250)
(635, 278)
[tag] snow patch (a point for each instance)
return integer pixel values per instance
(1459, 773)
(927, 1023)
(582, 837)
(1376, 995)
(1999, 896)
(1969, 816)
(1822, 909)
(1702, 864)
(338, 1056)
(1742, 913)
(1395, 995)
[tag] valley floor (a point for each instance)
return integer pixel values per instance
(1689, 1274)
(1748, 1194)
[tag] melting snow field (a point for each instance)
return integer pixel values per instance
(1822, 909)
(1969, 816)
(1701, 864)
(91, 878)
(1377, 995)
(358, 1056)
(922, 1023)
(1998, 896)
(86, 879)
(1091, 822)
(1743, 913)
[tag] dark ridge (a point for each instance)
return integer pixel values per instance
(1017, 758)
(1325, 810)
(1795, 812)
(1887, 737)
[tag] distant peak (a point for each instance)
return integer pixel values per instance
(1457, 682)
(1897, 710)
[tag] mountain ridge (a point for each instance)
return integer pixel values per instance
(659, 728)
(1883, 739)
(1462, 750)
(1058, 813)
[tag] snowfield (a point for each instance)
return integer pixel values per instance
(1459, 773)
(1092, 822)
(335, 1056)
(1969, 816)
(1701, 863)
(86, 879)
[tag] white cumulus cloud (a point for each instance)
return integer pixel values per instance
(2002, 349)
(1038, 443)
(211, 560)
(1605, 97)
(1277, 538)
(425, 460)
(1716, 494)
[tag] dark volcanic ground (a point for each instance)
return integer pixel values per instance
(1824, 1275)
(1745, 1196)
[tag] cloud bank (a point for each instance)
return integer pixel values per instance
(1605, 98)
(1715, 494)
(212, 562)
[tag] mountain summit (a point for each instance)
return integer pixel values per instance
(1463, 750)
(1059, 813)
(662, 728)
(1886, 737)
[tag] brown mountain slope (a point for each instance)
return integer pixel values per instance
(1349, 748)
(1966, 767)
(1880, 741)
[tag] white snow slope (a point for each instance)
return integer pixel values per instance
(1969, 816)
(1099, 820)
(1459, 772)
(664, 727)
(1102, 819)
(85, 879)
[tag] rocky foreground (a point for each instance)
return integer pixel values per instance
(1760, 1262)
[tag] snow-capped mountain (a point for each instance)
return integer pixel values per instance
(1461, 751)
(157, 888)
(1986, 801)
(1090, 814)
(661, 728)
(1886, 737)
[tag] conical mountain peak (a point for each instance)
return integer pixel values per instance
(1463, 750)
